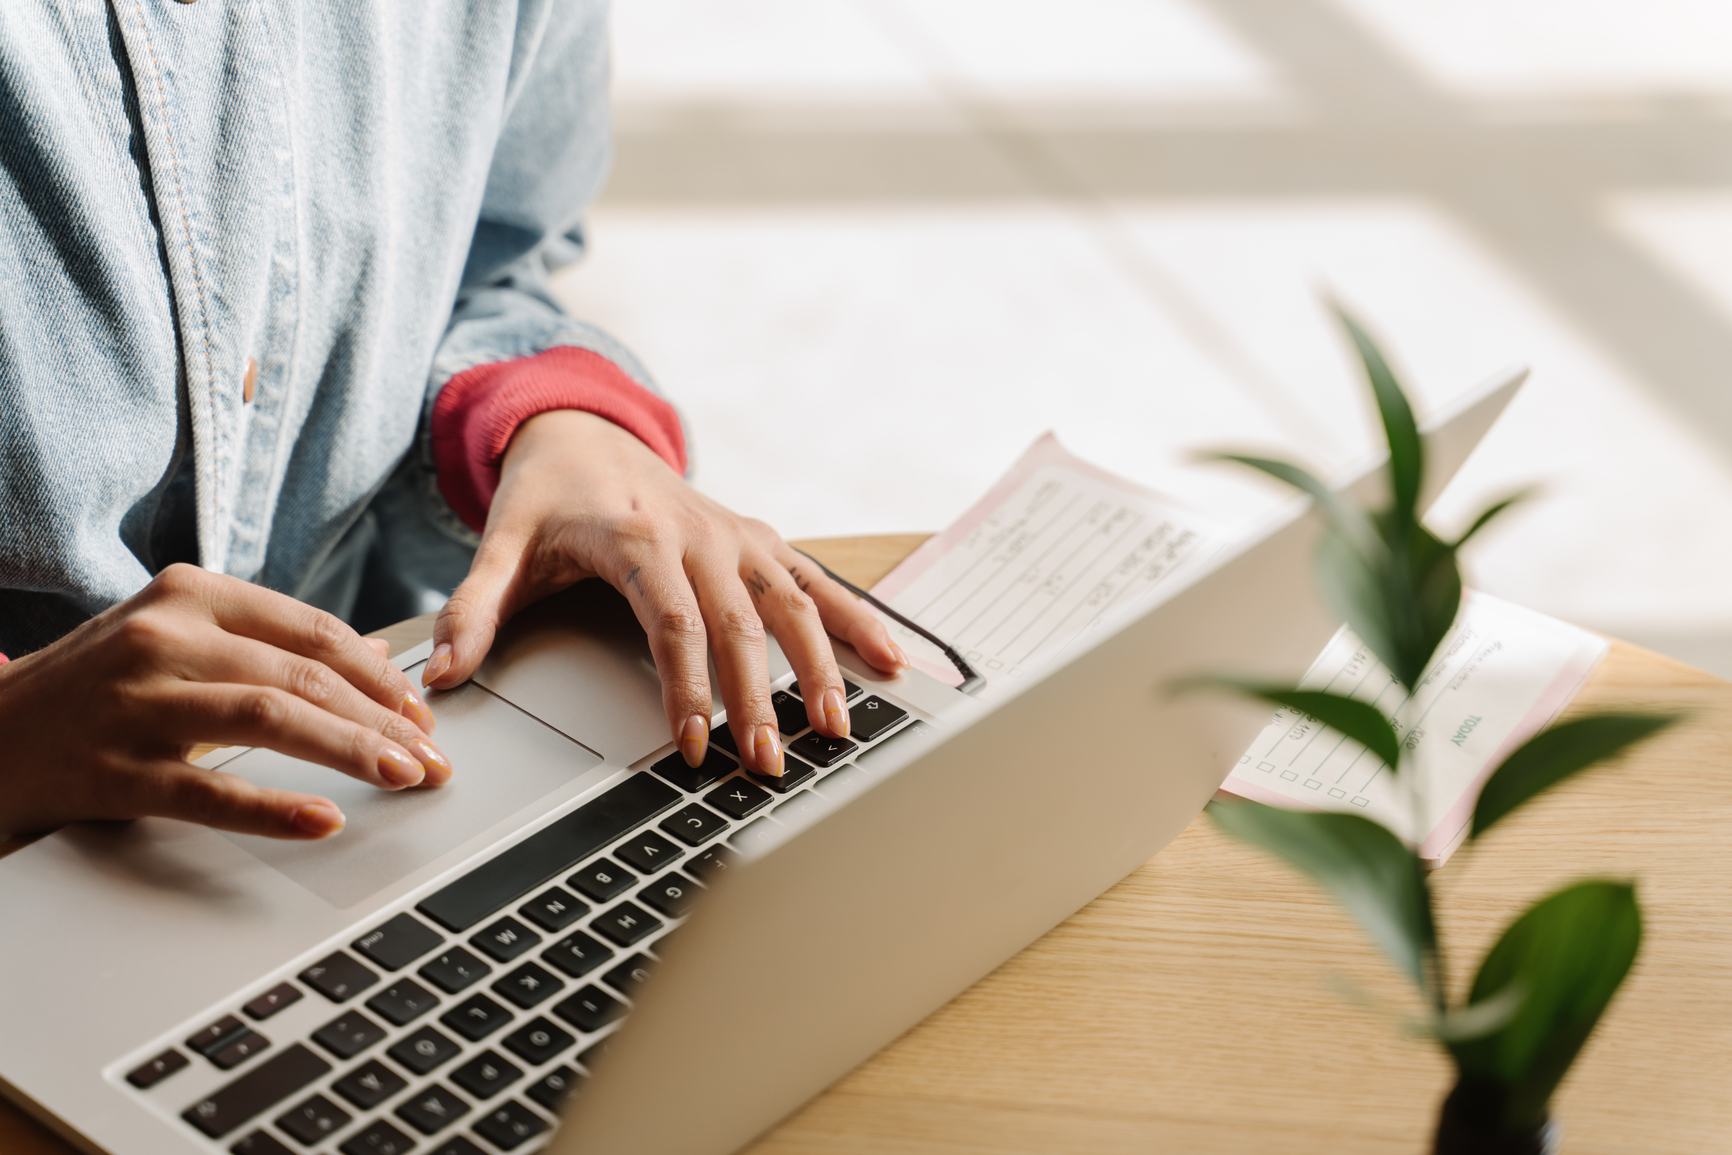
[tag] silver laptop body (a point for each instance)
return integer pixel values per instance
(851, 908)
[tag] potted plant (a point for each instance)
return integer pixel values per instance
(1538, 993)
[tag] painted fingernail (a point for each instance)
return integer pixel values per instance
(767, 748)
(320, 819)
(695, 739)
(434, 764)
(415, 709)
(437, 664)
(901, 658)
(399, 769)
(836, 713)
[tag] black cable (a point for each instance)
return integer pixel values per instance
(971, 681)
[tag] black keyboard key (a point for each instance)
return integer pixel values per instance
(528, 985)
(476, 1017)
(648, 851)
(432, 1108)
(738, 797)
(454, 970)
(790, 712)
(629, 975)
(157, 1069)
(239, 1049)
(210, 1038)
(757, 836)
(402, 1002)
(672, 894)
(258, 1090)
(399, 942)
(314, 1120)
(377, 1138)
(819, 750)
(603, 880)
(424, 1050)
(554, 1088)
(695, 778)
(339, 977)
(537, 1041)
(510, 1125)
(369, 1084)
(590, 1009)
(873, 716)
(506, 939)
(795, 774)
(348, 1035)
(280, 996)
(260, 1143)
(873, 760)
(458, 1145)
(717, 860)
(800, 806)
(723, 738)
(550, 851)
(578, 955)
(554, 909)
(486, 1074)
(694, 824)
(626, 924)
(849, 690)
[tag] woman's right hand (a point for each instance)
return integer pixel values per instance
(99, 724)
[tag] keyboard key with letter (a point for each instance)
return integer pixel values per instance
(694, 824)
(510, 1125)
(738, 797)
(431, 1109)
(554, 1088)
(377, 1138)
(402, 1002)
(537, 1041)
(399, 942)
(578, 955)
(506, 939)
(821, 751)
(338, 977)
(314, 1119)
(486, 1074)
(627, 923)
(672, 894)
(369, 1084)
(795, 774)
(348, 1035)
(422, 1051)
(603, 880)
(455, 970)
(714, 861)
(694, 778)
(528, 985)
(590, 1009)
(476, 1017)
(554, 909)
(648, 851)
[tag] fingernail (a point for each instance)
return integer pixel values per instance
(836, 713)
(695, 739)
(399, 769)
(767, 748)
(434, 764)
(901, 658)
(320, 819)
(437, 664)
(415, 709)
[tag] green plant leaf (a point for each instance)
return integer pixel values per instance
(1354, 589)
(1553, 755)
(1434, 585)
(1346, 517)
(1569, 953)
(1406, 450)
(1360, 721)
(1378, 880)
(1491, 511)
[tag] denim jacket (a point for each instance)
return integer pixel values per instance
(362, 198)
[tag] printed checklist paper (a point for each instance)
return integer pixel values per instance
(1053, 551)
(1059, 548)
(1501, 675)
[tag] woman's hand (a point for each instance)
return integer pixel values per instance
(98, 725)
(580, 497)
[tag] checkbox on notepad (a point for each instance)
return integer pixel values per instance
(1289, 775)
(1244, 760)
(1362, 802)
(1313, 784)
(1265, 767)
(1337, 792)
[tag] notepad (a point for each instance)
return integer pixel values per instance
(1056, 549)
(1059, 549)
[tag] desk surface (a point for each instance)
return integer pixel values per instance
(1193, 1007)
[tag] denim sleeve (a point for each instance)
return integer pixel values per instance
(550, 162)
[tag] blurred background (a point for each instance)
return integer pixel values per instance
(873, 248)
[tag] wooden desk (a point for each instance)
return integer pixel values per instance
(1191, 1007)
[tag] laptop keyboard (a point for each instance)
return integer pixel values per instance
(460, 1026)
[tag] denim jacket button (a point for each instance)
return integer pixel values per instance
(250, 383)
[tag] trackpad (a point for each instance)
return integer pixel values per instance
(504, 759)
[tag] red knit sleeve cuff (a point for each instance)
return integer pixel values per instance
(479, 409)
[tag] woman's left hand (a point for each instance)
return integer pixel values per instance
(580, 497)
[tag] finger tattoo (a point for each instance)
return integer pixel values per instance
(760, 584)
(631, 579)
(804, 583)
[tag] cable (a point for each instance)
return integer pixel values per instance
(972, 683)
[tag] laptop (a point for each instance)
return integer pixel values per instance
(453, 973)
